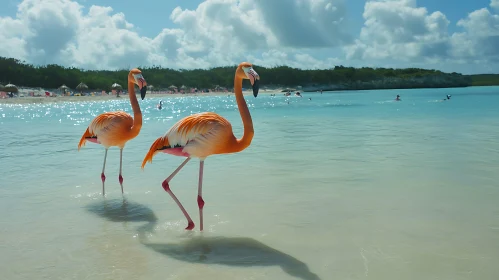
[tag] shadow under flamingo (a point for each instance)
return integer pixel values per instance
(117, 210)
(233, 251)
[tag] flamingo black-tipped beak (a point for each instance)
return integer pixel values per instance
(256, 87)
(254, 80)
(141, 83)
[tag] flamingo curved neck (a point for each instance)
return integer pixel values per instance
(137, 114)
(245, 141)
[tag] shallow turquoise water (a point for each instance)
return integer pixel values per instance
(348, 185)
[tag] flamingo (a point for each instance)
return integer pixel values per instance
(205, 134)
(117, 128)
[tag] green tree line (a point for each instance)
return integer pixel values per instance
(53, 76)
(485, 79)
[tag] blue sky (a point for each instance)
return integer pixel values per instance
(459, 35)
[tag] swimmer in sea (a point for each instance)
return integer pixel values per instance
(160, 105)
(446, 98)
(398, 98)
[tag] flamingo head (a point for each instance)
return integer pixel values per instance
(249, 73)
(136, 77)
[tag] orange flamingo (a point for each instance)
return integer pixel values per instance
(204, 134)
(116, 128)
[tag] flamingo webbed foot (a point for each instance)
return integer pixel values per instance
(190, 225)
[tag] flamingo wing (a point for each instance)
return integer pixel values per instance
(109, 128)
(200, 134)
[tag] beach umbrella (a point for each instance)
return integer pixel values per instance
(183, 87)
(81, 86)
(64, 88)
(10, 88)
(172, 88)
(150, 87)
(116, 86)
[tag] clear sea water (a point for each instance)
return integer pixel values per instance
(348, 185)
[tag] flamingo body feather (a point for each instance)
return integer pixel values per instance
(110, 129)
(198, 135)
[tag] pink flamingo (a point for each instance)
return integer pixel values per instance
(204, 134)
(117, 128)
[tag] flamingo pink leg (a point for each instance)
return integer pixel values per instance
(166, 186)
(200, 194)
(120, 178)
(102, 176)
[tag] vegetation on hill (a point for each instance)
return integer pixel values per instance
(485, 80)
(337, 78)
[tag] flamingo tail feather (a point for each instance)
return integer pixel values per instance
(160, 144)
(83, 139)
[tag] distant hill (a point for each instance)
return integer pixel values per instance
(485, 80)
(338, 78)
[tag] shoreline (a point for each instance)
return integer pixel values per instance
(100, 98)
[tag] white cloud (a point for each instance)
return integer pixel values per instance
(401, 30)
(12, 32)
(299, 33)
(494, 4)
(51, 26)
(480, 40)
(218, 32)
(300, 23)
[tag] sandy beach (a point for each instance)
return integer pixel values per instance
(43, 99)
